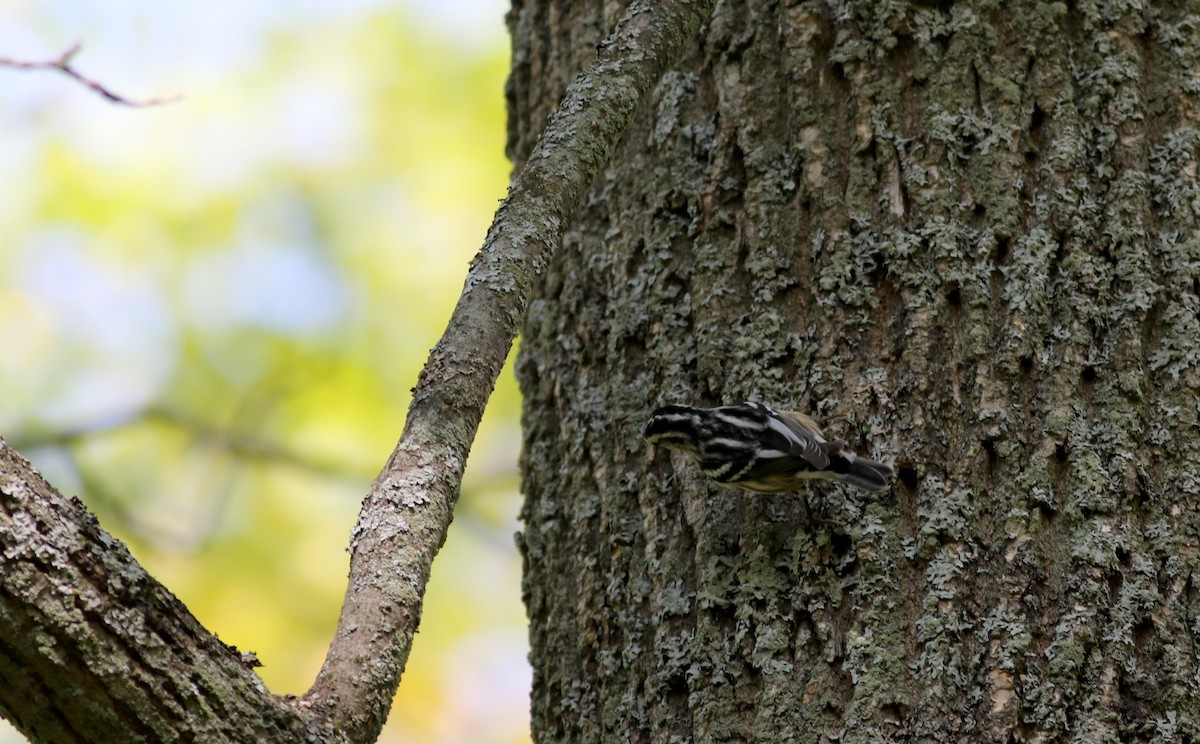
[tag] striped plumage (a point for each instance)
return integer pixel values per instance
(756, 447)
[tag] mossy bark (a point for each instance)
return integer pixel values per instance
(969, 230)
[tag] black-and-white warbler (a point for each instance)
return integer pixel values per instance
(756, 447)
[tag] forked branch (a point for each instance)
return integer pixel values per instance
(100, 651)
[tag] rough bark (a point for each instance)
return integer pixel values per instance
(92, 649)
(967, 228)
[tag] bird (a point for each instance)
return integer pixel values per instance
(751, 445)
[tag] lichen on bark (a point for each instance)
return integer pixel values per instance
(968, 229)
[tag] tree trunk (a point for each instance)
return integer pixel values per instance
(968, 230)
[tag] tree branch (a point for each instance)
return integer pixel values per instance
(62, 63)
(93, 649)
(405, 517)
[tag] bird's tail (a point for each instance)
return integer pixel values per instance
(860, 471)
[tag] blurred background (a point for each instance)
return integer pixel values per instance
(212, 311)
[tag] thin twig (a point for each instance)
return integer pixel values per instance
(62, 63)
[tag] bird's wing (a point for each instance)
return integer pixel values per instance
(803, 437)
